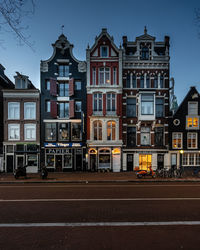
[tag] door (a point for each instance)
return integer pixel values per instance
(19, 161)
(93, 166)
(9, 162)
(160, 161)
(58, 163)
(129, 162)
(78, 162)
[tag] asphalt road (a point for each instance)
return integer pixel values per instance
(100, 216)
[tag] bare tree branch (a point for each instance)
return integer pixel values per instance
(12, 15)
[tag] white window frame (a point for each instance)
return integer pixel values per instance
(114, 75)
(31, 111)
(189, 108)
(192, 117)
(17, 127)
(98, 122)
(143, 133)
(104, 71)
(194, 135)
(112, 128)
(96, 99)
(104, 46)
(176, 134)
(32, 127)
(112, 97)
(94, 76)
(186, 159)
(16, 108)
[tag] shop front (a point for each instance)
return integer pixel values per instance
(64, 157)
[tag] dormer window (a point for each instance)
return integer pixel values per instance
(20, 84)
(104, 51)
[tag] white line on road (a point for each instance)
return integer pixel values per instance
(102, 224)
(103, 199)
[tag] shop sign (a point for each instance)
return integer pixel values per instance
(62, 145)
(57, 151)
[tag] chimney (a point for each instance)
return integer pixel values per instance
(124, 38)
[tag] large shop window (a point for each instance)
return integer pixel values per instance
(159, 107)
(191, 159)
(145, 135)
(30, 132)
(131, 107)
(50, 131)
(67, 161)
(50, 160)
(97, 102)
(104, 75)
(13, 132)
(63, 131)
(32, 160)
(192, 122)
(145, 162)
(76, 131)
(147, 104)
(111, 102)
(97, 125)
(177, 140)
(14, 110)
(111, 131)
(64, 110)
(159, 136)
(131, 136)
(30, 110)
(63, 70)
(192, 140)
(63, 89)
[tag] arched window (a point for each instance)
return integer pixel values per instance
(111, 130)
(161, 82)
(111, 102)
(148, 85)
(97, 102)
(145, 53)
(142, 82)
(97, 127)
(133, 81)
(128, 82)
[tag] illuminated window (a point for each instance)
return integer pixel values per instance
(145, 161)
(192, 122)
(104, 76)
(111, 125)
(97, 126)
(192, 140)
(177, 140)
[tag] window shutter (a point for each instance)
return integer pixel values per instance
(53, 109)
(71, 87)
(71, 108)
(53, 87)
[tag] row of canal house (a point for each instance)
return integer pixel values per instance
(109, 112)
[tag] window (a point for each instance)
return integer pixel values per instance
(97, 126)
(104, 75)
(131, 136)
(50, 160)
(128, 82)
(76, 131)
(192, 108)
(133, 81)
(78, 106)
(63, 70)
(63, 110)
(104, 51)
(114, 75)
(131, 107)
(94, 76)
(192, 122)
(142, 82)
(111, 106)
(77, 85)
(147, 104)
(191, 159)
(47, 106)
(161, 82)
(30, 110)
(148, 83)
(30, 132)
(47, 85)
(64, 89)
(145, 53)
(111, 125)
(63, 131)
(192, 140)
(97, 102)
(14, 110)
(177, 140)
(145, 136)
(159, 107)
(158, 136)
(13, 132)
(50, 131)
(155, 82)
(32, 160)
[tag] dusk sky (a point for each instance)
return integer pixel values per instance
(84, 19)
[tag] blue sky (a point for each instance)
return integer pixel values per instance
(83, 20)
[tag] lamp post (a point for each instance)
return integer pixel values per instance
(181, 158)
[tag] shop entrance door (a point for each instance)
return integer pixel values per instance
(145, 161)
(93, 166)
(129, 162)
(78, 162)
(160, 161)
(58, 163)
(9, 163)
(19, 161)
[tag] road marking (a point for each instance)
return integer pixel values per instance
(103, 199)
(103, 224)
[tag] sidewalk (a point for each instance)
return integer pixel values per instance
(88, 177)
